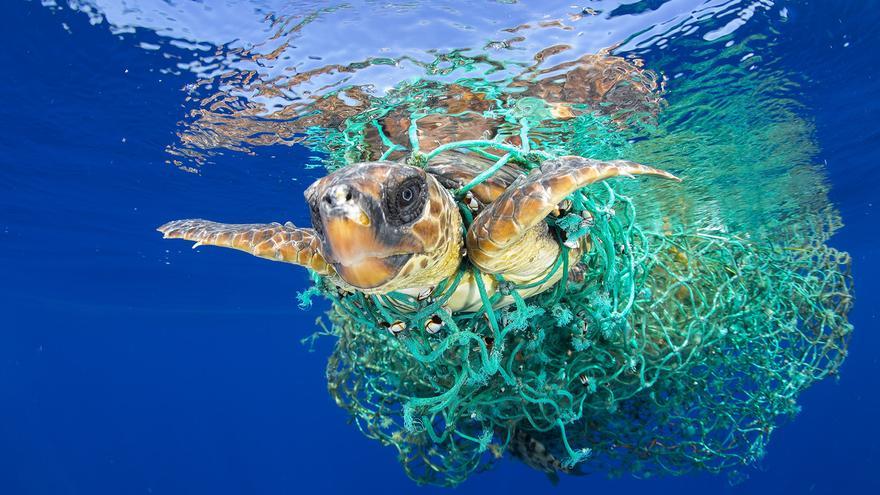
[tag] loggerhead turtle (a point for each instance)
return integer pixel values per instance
(383, 226)
(387, 226)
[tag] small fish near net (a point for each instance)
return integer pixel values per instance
(668, 348)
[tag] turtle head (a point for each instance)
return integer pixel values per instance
(386, 226)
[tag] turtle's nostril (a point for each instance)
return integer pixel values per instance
(338, 195)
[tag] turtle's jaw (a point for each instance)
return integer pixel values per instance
(371, 273)
(357, 253)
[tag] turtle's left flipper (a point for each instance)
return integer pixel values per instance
(517, 216)
(273, 241)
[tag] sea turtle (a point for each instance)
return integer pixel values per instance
(384, 225)
(387, 226)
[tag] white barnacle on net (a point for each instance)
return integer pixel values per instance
(588, 220)
(394, 328)
(562, 208)
(434, 324)
(471, 202)
(425, 294)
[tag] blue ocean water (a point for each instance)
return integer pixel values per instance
(129, 364)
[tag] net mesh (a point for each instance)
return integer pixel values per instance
(670, 347)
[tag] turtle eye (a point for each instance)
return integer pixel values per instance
(406, 195)
(405, 202)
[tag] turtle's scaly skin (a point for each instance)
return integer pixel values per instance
(454, 170)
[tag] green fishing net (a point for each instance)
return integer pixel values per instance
(672, 346)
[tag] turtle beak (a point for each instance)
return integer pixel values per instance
(348, 232)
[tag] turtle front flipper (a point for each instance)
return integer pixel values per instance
(511, 238)
(273, 241)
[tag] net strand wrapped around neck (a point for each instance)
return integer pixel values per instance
(678, 349)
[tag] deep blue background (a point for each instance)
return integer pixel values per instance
(131, 365)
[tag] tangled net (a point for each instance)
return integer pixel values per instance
(669, 349)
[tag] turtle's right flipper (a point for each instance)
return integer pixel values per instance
(272, 241)
(493, 240)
